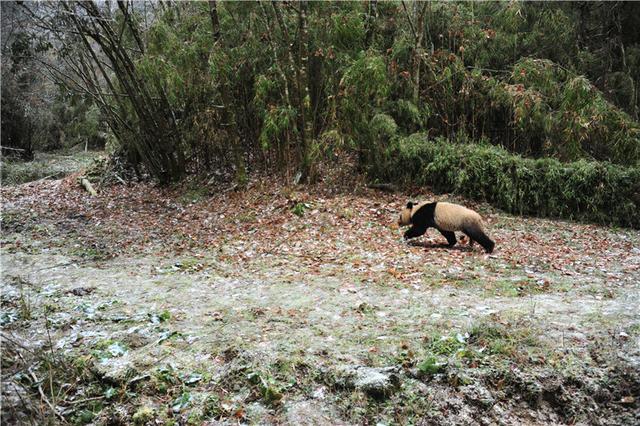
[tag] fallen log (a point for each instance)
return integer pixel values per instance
(385, 187)
(87, 185)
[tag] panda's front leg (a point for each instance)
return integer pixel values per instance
(415, 231)
(450, 236)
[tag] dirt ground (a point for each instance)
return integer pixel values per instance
(303, 305)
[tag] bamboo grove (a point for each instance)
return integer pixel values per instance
(205, 87)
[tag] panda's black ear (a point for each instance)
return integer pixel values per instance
(410, 205)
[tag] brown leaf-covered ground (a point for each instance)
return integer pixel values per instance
(259, 222)
(245, 305)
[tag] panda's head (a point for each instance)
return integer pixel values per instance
(405, 215)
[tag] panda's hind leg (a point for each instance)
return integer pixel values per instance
(476, 233)
(450, 236)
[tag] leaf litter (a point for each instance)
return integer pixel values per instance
(293, 285)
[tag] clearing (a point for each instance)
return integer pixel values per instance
(302, 305)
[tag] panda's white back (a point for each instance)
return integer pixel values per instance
(454, 217)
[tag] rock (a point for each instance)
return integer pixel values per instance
(115, 370)
(82, 291)
(256, 413)
(478, 395)
(377, 382)
(136, 339)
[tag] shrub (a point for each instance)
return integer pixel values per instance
(600, 192)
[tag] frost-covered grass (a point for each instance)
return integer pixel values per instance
(50, 165)
(257, 314)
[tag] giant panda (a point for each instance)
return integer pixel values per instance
(446, 218)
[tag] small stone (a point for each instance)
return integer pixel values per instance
(478, 395)
(377, 382)
(82, 291)
(115, 370)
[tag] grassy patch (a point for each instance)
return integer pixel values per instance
(90, 253)
(52, 165)
(504, 339)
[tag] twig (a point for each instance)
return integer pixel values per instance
(44, 397)
(137, 379)
(385, 187)
(470, 67)
(82, 401)
(4, 336)
(24, 404)
(413, 30)
(44, 178)
(317, 258)
(55, 266)
(53, 357)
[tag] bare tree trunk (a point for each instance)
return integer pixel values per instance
(275, 55)
(372, 14)
(227, 114)
(134, 29)
(157, 133)
(418, 35)
(301, 87)
(417, 54)
(282, 147)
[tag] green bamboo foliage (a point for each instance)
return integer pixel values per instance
(504, 72)
(586, 190)
(287, 85)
